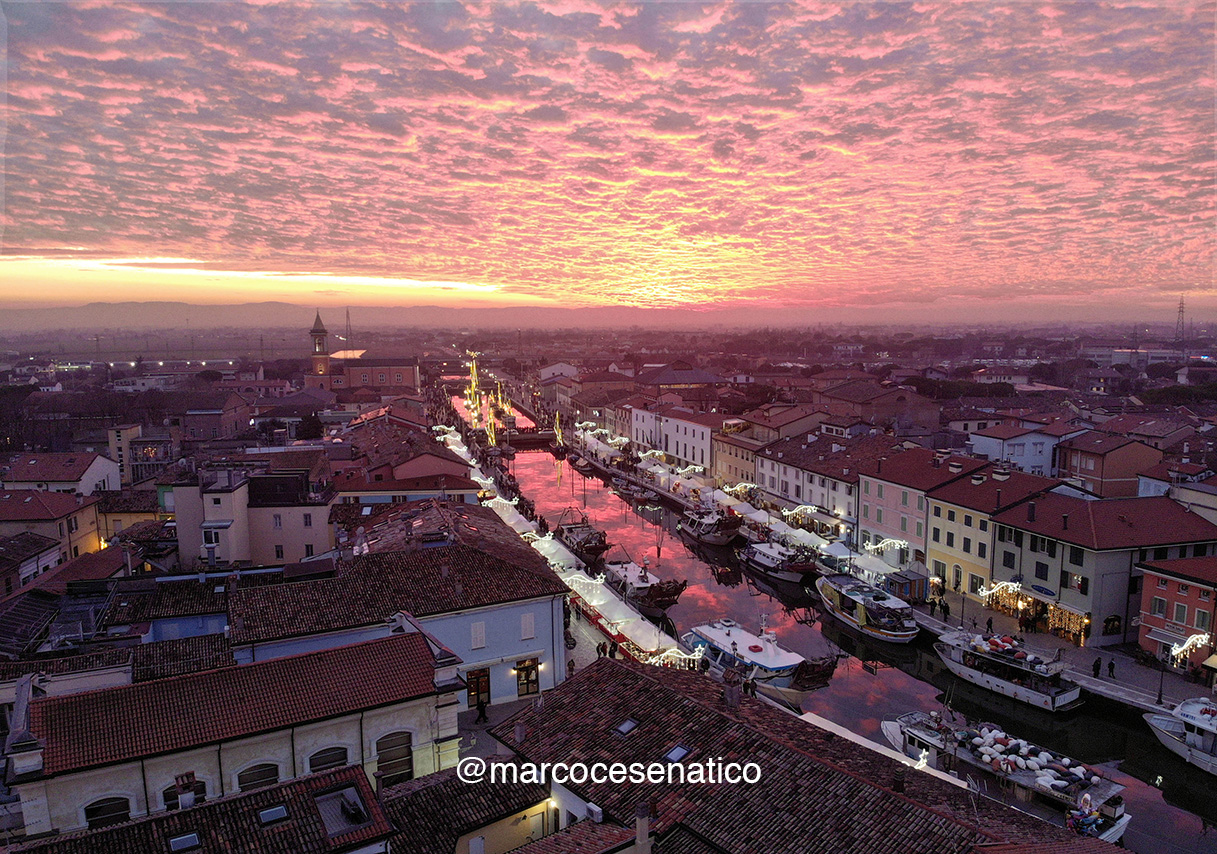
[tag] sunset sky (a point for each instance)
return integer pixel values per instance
(856, 155)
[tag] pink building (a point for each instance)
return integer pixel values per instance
(1177, 599)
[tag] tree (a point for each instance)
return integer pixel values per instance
(210, 376)
(310, 427)
(1161, 371)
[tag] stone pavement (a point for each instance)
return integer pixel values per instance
(1134, 684)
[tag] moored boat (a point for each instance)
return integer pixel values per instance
(867, 609)
(1059, 788)
(1003, 665)
(775, 671)
(1190, 731)
(639, 587)
(780, 561)
(579, 535)
(710, 525)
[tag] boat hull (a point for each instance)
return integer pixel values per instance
(1170, 732)
(871, 630)
(1062, 702)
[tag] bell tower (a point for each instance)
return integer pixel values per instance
(321, 350)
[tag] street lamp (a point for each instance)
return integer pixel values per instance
(1161, 676)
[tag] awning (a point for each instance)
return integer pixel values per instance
(825, 518)
(1069, 608)
(807, 537)
(725, 499)
(1163, 636)
(837, 549)
(1210, 662)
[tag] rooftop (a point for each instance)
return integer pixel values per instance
(1201, 569)
(1111, 523)
(924, 469)
(29, 505)
(78, 729)
(35, 468)
(1097, 443)
(991, 490)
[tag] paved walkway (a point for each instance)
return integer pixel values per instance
(1134, 684)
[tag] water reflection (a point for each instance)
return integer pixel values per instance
(878, 680)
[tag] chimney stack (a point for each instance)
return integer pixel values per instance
(1030, 511)
(520, 731)
(642, 829)
(898, 780)
(1064, 521)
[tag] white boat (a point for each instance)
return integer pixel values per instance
(779, 561)
(1190, 731)
(776, 672)
(867, 609)
(1002, 664)
(649, 593)
(710, 525)
(1055, 787)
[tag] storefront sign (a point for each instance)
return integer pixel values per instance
(1043, 590)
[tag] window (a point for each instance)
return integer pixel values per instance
(975, 582)
(879, 489)
(1041, 570)
(527, 626)
(528, 678)
(982, 549)
(967, 521)
(1202, 619)
(626, 726)
(258, 776)
(278, 552)
(215, 502)
(904, 524)
(395, 757)
(984, 524)
(940, 569)
(1162, 582)
(107, 811)
(1157, 606)
(879, 515)
(1161, 554)
(1181, 613)
(1184, 589)
(185, 842)
(950, 539)
(1205, 595)
(865, 511)
(477, 639)
(866, 487)
(272, 814)
(195, 789)
(308, 549)
(677, 753)
(277, 522)
(330, 757)
(920, 530)
(308, 520)
(1007, 560)
(1075, 555)
(937, 510)
(935, 534)
(967, 544)
(904, 498)
(950, 515)
(920, 502)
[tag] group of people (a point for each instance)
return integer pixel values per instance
(608, 649)
(1098, 667)
(943, 604)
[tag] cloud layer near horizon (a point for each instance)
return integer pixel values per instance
(657, 154)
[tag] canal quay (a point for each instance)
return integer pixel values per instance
(1174, 806)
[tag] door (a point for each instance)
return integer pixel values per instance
(478, 686)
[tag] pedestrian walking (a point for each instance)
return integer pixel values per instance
(1022, 622)
(1098, 664)
(1111, 669)
(933, 606)
(946, 610)
(612, 649)
(481, 707)
(600, 650)
(989, 625)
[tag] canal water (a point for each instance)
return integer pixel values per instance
(1174, 806)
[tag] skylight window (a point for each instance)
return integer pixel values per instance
(677, 753)
(185, 842)
(272, 814)
(626, 726)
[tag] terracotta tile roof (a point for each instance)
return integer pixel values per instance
(1076, 845)
(583, 837)
(162, 659)
(851, 457)
(1164, 471)
(780, 418)
(59, 665)
(371, 588)
(916, 469)
(995, 491)
(809, 775)
(141, 600)
(1142, 425)
(92, 566)
(127, 501)
(23, 546)
(1201, 569)
(79, 730)
(43, 468)
(1111, 523)
(433, 812)
(858, 391)
(28, 505)
(1097, 443)
(1003, 431)
(231, 823)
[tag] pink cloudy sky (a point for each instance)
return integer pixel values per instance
(665, 154)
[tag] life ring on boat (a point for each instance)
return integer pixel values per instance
(756, 647)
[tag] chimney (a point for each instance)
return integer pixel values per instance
(520, 731)
(879, 466)
(898, 780)
(1064, 521)
(955, 467)
(380, 780)
(1031, 511)
(642, 829)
